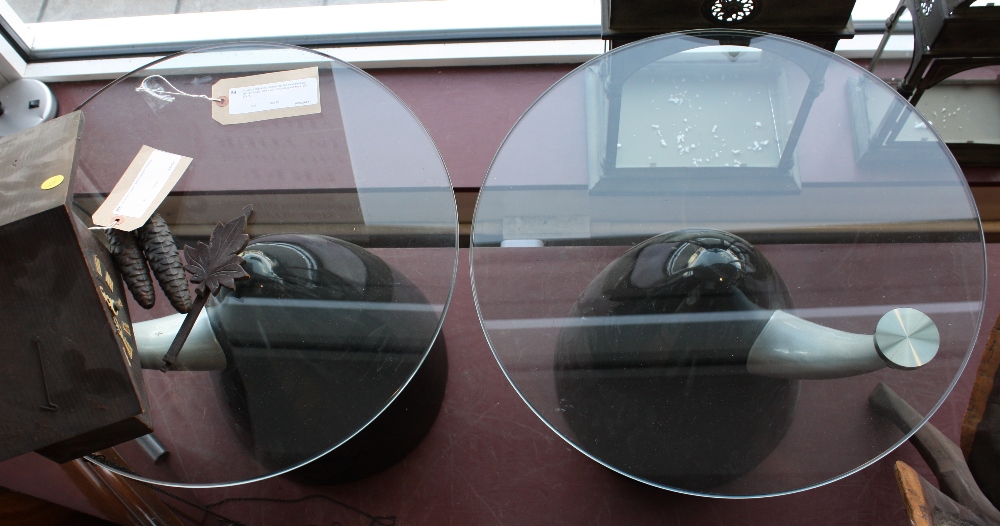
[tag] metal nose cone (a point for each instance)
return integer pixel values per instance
(906, 338)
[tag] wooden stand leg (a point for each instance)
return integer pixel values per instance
(927, 506)
(942, 455)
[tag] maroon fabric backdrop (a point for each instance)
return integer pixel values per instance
(488, 459)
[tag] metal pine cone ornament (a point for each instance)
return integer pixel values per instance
(165, 262)
(213, 266)
(131, 263)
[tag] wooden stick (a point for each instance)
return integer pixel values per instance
(941, 454)
(986, 376)
(926, 505)
(981, 425)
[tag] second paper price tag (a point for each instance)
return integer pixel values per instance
(146, 182)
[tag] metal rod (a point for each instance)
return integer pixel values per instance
(890, 26)
(49, 406)
(153, 447)
(793, 348)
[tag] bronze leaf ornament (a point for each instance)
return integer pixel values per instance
(212, 267)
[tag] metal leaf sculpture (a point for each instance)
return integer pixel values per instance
(213, 266)
(219, 263)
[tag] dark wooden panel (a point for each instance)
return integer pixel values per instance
(122, 499)
(18, 509)
(72, 380)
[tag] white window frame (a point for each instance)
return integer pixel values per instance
(435, 20)
(421, 33)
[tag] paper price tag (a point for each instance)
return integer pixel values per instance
(143, 186)
(268, 96)
(273, 96)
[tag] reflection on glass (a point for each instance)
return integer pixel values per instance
(669, 327)
(704, 328)
(352, 255)
(726, 113)
(322, 333)
(728, 88)
(885, 126)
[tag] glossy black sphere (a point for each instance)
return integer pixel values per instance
(651, 365)
(318, 340)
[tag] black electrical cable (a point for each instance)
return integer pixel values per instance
(389, 520)
(101, 459)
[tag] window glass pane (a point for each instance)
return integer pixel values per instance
(963, 112)
(62, 10)
(58, 29)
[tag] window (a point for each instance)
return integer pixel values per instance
(67, 40)
(148, 29)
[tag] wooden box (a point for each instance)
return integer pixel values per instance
(71, 379)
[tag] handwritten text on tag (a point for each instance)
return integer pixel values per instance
(141, 189)
(277, 95)
(153, 176)
(274, 96)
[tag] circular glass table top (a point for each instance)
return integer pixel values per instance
(352, 254)
(697, 256)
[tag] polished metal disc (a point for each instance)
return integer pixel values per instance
(906, 338)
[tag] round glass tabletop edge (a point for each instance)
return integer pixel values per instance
(473, 247)
(456, 235)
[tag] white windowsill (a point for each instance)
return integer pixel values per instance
(368, 57)
(570, 51)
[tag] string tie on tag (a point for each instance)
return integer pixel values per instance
(109, 227)
(149, 85)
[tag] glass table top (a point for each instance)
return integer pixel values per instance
(351, 258)
(696, 256)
